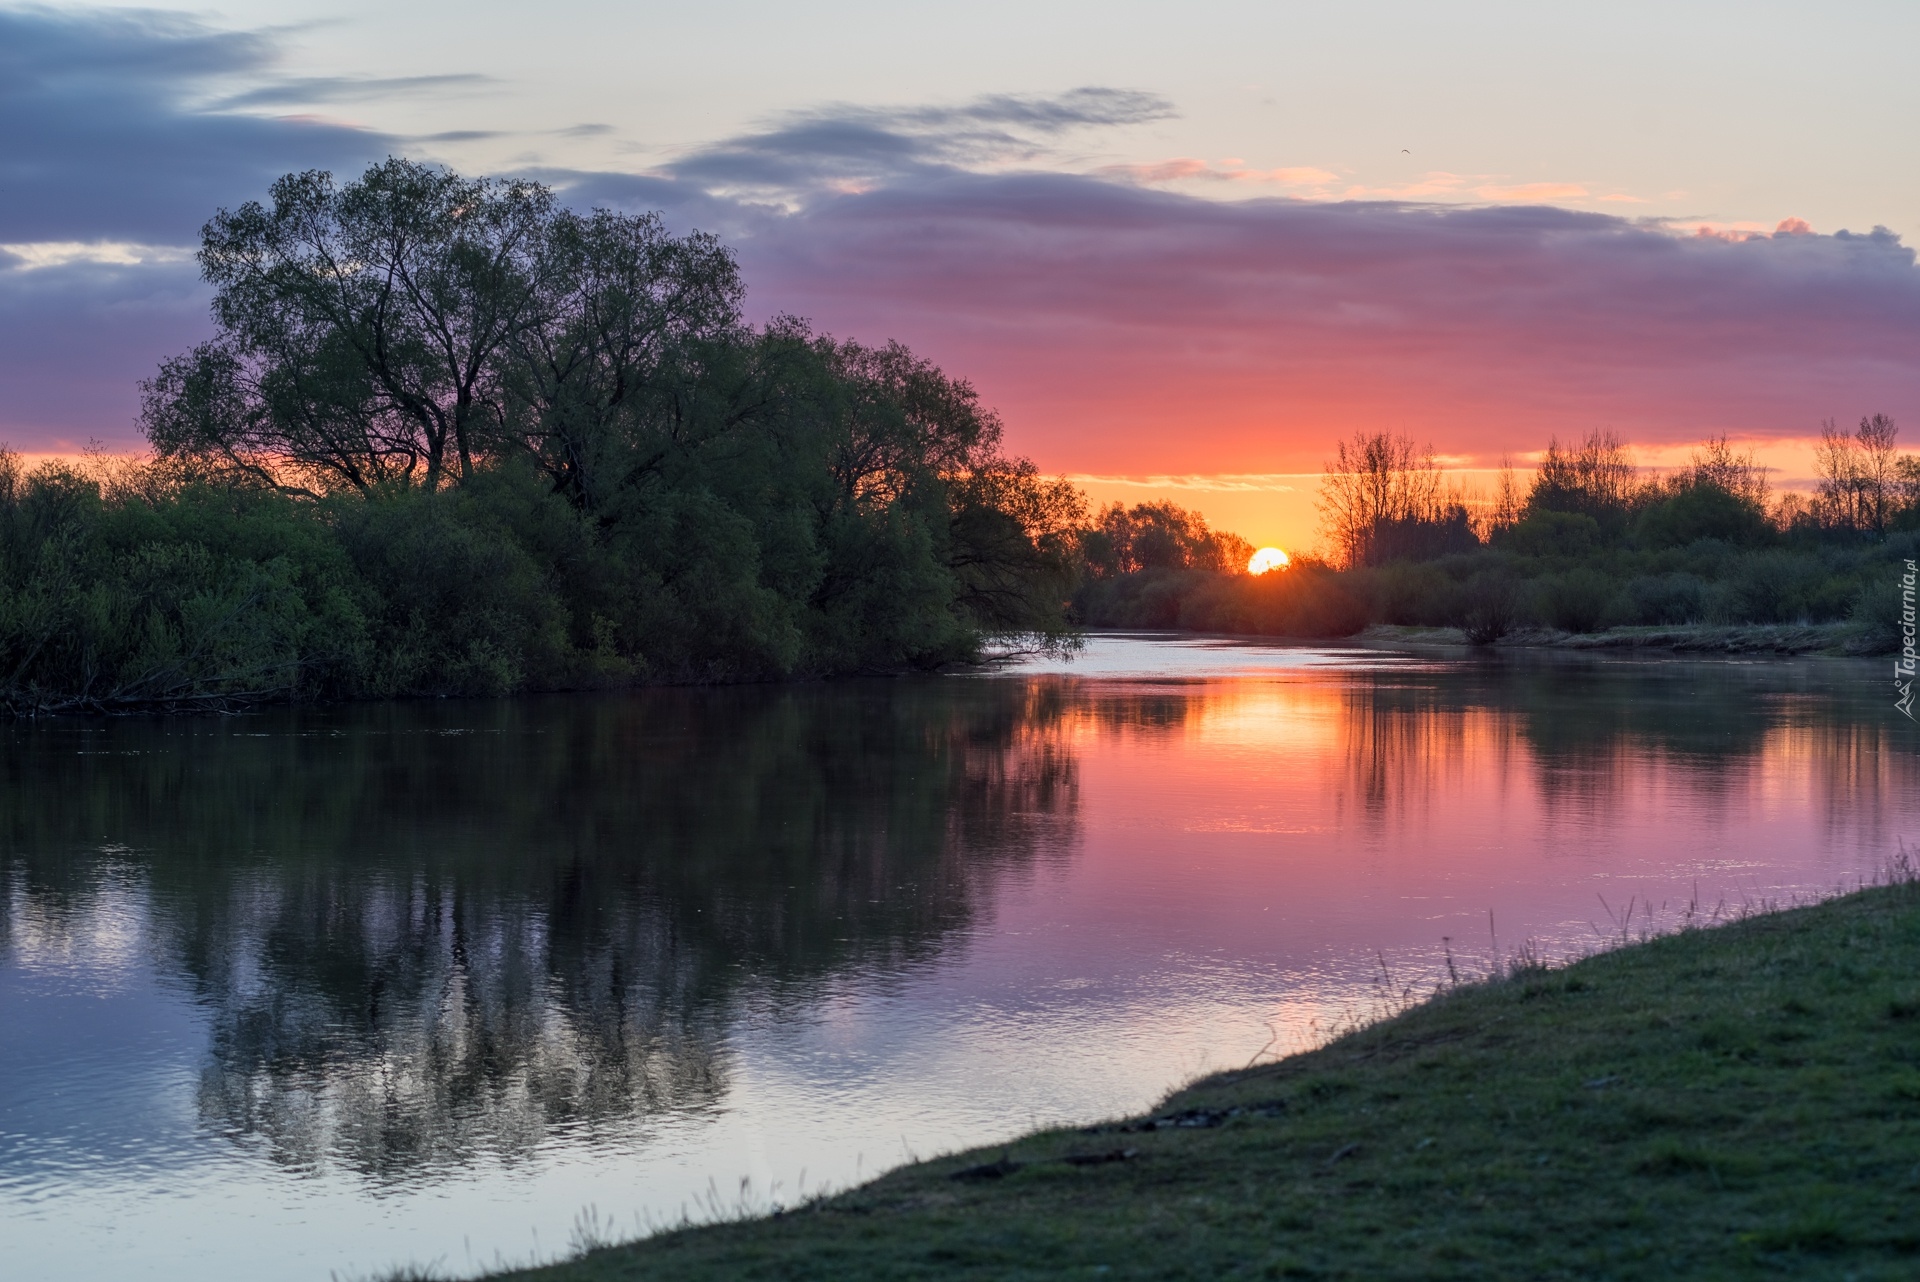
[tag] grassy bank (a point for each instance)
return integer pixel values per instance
(1837, 639)
(1741, 1101)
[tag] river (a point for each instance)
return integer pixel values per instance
(314, 993)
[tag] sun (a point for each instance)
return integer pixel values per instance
(1267, 559)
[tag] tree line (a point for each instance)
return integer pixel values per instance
(1590, 541)
(452, 437)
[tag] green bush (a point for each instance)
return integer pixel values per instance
(1666, 599)
(1549, 533)
(1492, 606)
(1577, 601)
(1697, 512)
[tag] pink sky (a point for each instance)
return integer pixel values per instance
(1159, 345)
(1151, 324)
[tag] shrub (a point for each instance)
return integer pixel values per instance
(1666, 598)
(1492, 606)
(1549, 533)
(1577, 601)
(1700, 511)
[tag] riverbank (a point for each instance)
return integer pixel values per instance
(1721, 1102)
(1838, 639)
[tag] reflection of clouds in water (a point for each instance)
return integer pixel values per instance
(93, 941)
(466, 1043)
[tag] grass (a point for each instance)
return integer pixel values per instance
(1846, 639)
(1742, 1101)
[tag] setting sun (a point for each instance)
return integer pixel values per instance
(1267, 559)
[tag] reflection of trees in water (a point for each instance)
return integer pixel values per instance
(1405, 742)
(1859, 770)
(1729, 735)
(1588, 737)
(425, 931)
(1598, 734)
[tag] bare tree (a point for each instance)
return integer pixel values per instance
(1376, 479)
(1861, 475)
(1507, 503)
(1716, 463)
(1596, 477)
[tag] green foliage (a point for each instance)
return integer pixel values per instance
(1594, 479)
(1545, 532)
(1666, 599)
(1700, 511)
(1158, 537)
(512, 447)
(1575, 601)
(1491, 606)
(130, 592)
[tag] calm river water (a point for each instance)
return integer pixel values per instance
(320, 992)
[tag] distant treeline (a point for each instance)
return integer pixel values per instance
(1593, 542)
(453, 438)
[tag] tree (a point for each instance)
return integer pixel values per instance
(1861, 476)
(631, 324)
(1507, 504)
(1716, 464)
(1381, 499)
(1720, 495)
(361, 327)
(396, 329)
(1595, 478)
(576, 397)
(1159, 536)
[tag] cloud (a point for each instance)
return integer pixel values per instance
(110, 160)
(76, 336)
(1093, 105)
(306, 90)
(37, 255)
(1133, 331)
(854, 148)
(1219, 483)
(1125, 330)
(1530, 193)
(102, 135)
(1187, 169)
(1130, 331)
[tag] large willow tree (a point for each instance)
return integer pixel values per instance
(398, 328)
(485, 393)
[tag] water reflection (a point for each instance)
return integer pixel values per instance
(459, 949)
(424, 931)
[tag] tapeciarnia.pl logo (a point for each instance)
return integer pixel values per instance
(1903, 667)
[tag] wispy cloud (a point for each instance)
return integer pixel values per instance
(308, 90)
(1188, 169)
(110, 160)
(1530, 193)
(1128, 331)
(1440, 185)
(39, 255)
(843, 149)
(1224, 483)
(1126, 320)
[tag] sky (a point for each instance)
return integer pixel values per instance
(1181, 249)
